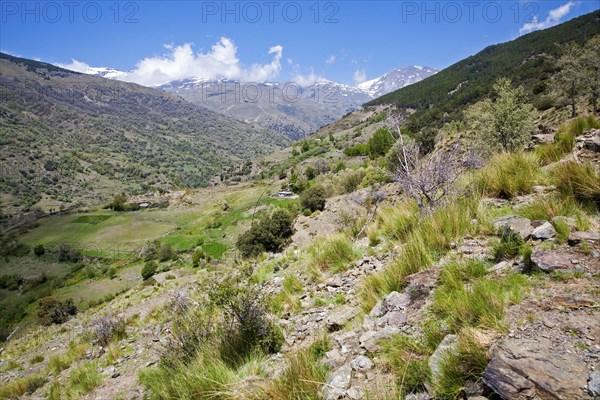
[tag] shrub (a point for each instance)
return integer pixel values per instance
(313, 198)
(53, 311)
(271, 233)
(165, 252)
(106, 329)
(149, 269)
(68, 253)
(39, 250)
(199, 255)
(11, 281)
(508, 175)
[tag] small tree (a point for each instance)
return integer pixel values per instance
(504, 123)
(313, 198)
(569, 76)
(149, 269)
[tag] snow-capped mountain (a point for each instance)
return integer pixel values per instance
(396, 79)
(288, 107)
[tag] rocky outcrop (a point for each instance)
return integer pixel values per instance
(524, 370)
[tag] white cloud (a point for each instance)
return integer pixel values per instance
(182, 62)
(554, 17)
(330, 59)
(75, 65)
(359, 76)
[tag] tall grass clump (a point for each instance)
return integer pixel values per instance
(82, 380)
(333, 253)
(467, 298)
(303, 378)
(564, 140)
(508, 175)
(407, 358)
(17, 388)
(581, 181)
(468, 362)
(426, 242)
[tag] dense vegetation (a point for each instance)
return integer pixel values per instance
(70, 137)
(527, 61)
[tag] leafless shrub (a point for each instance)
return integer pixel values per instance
(106, 329)
(370, 201)
(429, 179)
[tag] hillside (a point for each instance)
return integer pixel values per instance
(525, 60)
(68, 137)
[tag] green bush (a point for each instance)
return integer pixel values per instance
(54, 311)
(271, 233)
(149, 269)
(313, 198)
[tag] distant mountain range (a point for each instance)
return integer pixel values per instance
(286, 107)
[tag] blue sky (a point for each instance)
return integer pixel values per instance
(345, 41)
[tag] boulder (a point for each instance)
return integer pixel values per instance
(340, 316)
(534, 370)
(549, 261)
(520, 226)
(370, 339)
(337, 384)
(544, 232)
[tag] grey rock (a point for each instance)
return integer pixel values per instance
(418, 396)
(579, 236)
(594, 384)
(448, 345)
(534, 369)
(339, 317)
(356, 393)
(392, 318)
(501, 266)
(361, 364)
(370, 339)
(396, 301)
(520, 226)
(378, 310)
(337, 384)
(544, 232)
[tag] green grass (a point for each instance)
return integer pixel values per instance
(582, 181)
(91, 219)
(19, 387)
(425, 243)
(467, 298)
(564, 140)
(333, 254)
(507, 175)
(407, 359)
(82, 380)
(207, 376)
